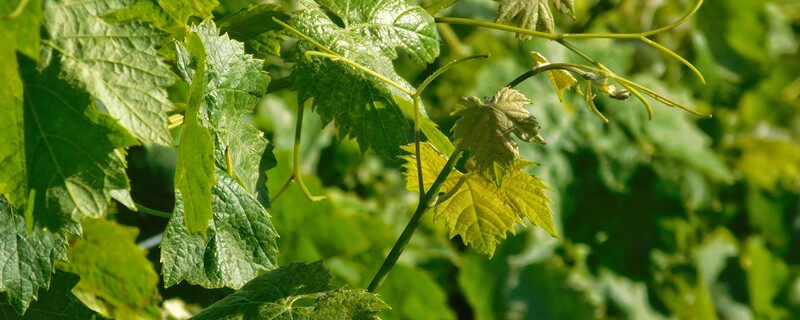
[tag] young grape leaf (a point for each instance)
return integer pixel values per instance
(73, 157)
(234, 84)
(194, 169)
(272, 295)
(254, 26)
(532, 14)
(114, 271)
(368, 33)
(479, 211)
(57, 302)
(240, 242)
(485, 129)
(19, 34)
(26, 258)
(116, 63)
(561, 79)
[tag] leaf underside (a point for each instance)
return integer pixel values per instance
(532, 14)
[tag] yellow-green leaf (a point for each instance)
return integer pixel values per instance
(561, 79)
(479, 211)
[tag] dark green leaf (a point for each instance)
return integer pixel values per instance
(58, 302)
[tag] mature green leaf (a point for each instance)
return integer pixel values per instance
(239, 244)
(254, 26)
(485, 129)
(532, 14)
(272, 295)
(234, 84)
(194, 170)
(26, 258)
(368, 33)
(19, 34)
(57, 302)
(73, 160)
(479, 211)
(114, 271)
(116, 63)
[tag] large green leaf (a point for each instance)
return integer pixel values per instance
(115, 273)
(479, 211)
(116, 63)
(272, 295)
(171, 16)
(240, 242)
(74, 163)
(234, 84)
(367, 32)
(194, 169)
(19, 34)
(57, 302)
(26, 259)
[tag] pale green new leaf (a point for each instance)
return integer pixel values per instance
(116, 63)
(73, 160)
(19, 34)
(58, 302)
(234, 84)
(479, 211)
(485, 129)
(194, 169)
(532, 14)
(26, 260)
(240, 242)
(368, 33)
(560, 79)
(114, 271)
(271, 296)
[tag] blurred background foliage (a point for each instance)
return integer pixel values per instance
(675, 218)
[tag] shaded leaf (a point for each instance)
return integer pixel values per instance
(73, 160)
(254, 26)
(57, 302)
(272, 295)
(532, 14)
(26, 260)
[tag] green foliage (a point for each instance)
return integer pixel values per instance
(115, 273)
(239, 244)
(116, 63)
(532, 14)
(368, 33)
(57, 302)
(73, 158)
(475, 208)
(485, 129)
(27, 259)
(273, 295)
(178, 105)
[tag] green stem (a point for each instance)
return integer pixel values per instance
(152, 212)
(444, 69)
(296, 156)
(424, 205)
(17, 10)
(552, 66)
(636, 35)
(283, 189)
(417, 152)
